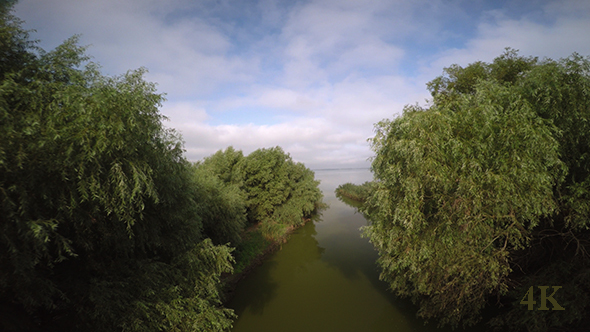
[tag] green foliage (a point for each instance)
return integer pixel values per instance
(559, 92)
(191, 302)
(100, 220)
(14, 42)
(467, 189)
(223, 165)
(277, 192)
(358, 193)
(280, 192)
(253, 245)
(456, 81)
(264, 173)
(222, 207)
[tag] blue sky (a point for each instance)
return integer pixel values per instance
(310, 76)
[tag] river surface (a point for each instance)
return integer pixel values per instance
(325, 278)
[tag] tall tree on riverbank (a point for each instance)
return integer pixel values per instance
(99, 222)
(484, 193)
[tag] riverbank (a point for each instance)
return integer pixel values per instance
(251, 253)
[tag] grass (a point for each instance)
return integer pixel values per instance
(253, 245)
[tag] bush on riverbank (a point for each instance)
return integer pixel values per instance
(254, 245)
(277, 192)
(355, 192)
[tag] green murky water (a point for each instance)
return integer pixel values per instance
(324, 279)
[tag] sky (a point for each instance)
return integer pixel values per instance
(310, 76)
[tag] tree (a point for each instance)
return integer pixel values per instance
(223, 164)
(354, 192)
(472, 189)
(100, 224)
(222, 206)
(280, 192)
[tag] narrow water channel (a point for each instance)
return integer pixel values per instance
(324, 279)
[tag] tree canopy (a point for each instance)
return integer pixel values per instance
(276, 191)
(100, 224)
(104, 225)
(484, 193)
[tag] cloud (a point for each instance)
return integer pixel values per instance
(327, 41)
(557, 31)
(311, 76)
(331, 133)
(314, 141)
(186, 57)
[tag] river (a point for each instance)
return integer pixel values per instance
(324, 278)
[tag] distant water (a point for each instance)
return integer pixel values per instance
(325, 278)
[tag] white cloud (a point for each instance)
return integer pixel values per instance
(185, 111)
(314, 141)
(330, 68)
(563, 32)
(185, 57)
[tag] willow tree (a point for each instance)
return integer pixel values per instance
(480, 195)
(100, 229)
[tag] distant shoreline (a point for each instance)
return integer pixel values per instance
(341, 169)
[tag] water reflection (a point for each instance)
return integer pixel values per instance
(263, 285)
(293, 261)
(303, 253)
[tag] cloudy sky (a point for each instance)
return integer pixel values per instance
(310, 76)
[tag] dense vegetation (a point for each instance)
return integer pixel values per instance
(276, 192)
(485, 193)
(355, 192)
(105, 226)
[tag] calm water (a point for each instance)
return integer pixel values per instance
(324, 279)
